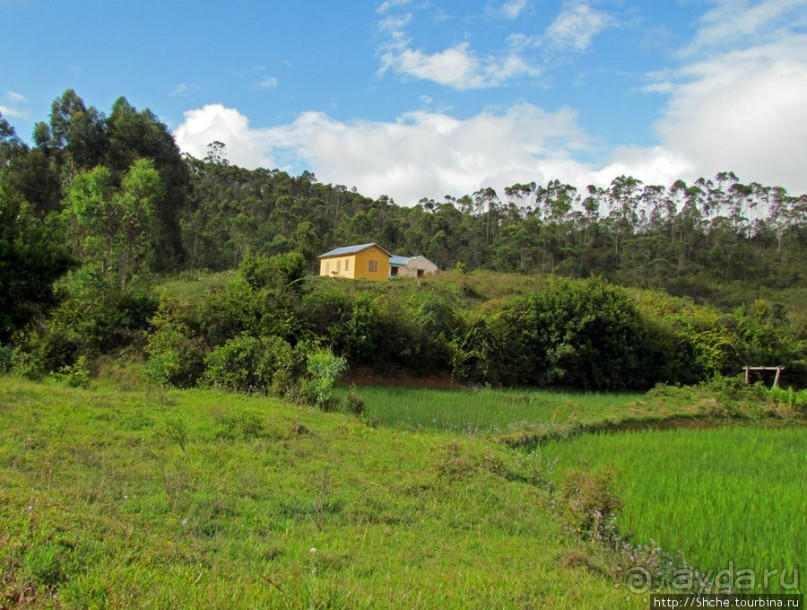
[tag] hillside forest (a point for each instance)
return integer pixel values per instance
(626, 286)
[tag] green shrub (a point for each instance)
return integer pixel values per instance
(76, 375)
(354, 403)
(175, 356)
(322, 369)
(280, 271)
(249, 364)
(6, 359)
(590, 504)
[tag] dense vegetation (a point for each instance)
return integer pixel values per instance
(101, 204)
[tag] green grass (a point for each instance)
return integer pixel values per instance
(191, 287)
(729, 498)
(490, 411)
(197, 499)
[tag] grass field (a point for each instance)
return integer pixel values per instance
(114, 498)
(197, 499)
(731, 499)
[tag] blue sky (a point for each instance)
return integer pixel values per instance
(414, 98)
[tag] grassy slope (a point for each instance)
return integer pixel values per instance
(200, 499)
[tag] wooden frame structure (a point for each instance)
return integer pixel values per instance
(776, 379)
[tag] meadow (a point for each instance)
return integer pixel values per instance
(116, 498)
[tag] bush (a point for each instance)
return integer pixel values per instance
(76, 375)
(249, 364)
(6, 359)
(590, 504)
(281, 271)
(322, 369)
(176, 357)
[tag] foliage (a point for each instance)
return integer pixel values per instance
(590, 504)
(249, 364)
(322, 369)
(175, 356)
(580, 334)
(92, 318)
(116, 228)
(31, 259)
(280, 271)
(76, 375)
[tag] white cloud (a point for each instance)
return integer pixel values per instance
(421, 154)
(576, 26)
(268, 82)
(513, 8)
(17, 98)
(245, 147)
(744, 111)
(457, 66)
(13, 109)
(390, 4)
(739, 108)
(735, 22)
(180, 89)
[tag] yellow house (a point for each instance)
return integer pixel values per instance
(368, 261)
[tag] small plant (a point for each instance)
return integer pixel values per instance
(76, 375)
(176, 431)
(43, 564)
(322, 370)
(176, 357)
(354, 403)
(242, 425)
(591, 505)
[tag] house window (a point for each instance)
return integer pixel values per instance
(347, 264)
(373, 266)
(393, 271)
(338, 266)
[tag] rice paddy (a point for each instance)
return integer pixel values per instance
(487, 411)
(731, 499)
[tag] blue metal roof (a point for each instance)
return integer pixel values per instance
(350, 250)
(400, 261)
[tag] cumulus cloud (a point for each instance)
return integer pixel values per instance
(736, 103)
(421, 154)
(744, 111)
(737, 106)
(457, 67)
(245, 146)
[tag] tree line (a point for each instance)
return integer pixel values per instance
(100, 204)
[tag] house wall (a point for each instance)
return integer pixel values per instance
(357, 265)
(417, 263)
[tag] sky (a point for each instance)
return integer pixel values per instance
(428, 98)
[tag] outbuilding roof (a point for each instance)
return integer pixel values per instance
(351, 250)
